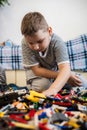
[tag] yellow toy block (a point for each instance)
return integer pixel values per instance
(35, 96)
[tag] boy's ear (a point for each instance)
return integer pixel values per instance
(50, 30)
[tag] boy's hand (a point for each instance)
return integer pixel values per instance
(74, 80)
(49, 92)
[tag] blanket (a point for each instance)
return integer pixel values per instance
(11, 57)
(77, 50)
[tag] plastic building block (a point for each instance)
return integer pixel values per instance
(34, 96)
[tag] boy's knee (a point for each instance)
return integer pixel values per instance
(39, 84)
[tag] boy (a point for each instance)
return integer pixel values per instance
(45, 56)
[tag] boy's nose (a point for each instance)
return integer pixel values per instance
(36, 47)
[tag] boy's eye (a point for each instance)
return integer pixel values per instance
(30, 43)
(40, 41)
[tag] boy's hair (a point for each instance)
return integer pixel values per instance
(32, 22)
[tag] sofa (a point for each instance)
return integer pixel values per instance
(11, 59)
(77, 51)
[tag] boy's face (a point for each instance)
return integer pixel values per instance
(40, 40)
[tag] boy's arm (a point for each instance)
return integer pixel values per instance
(43, 72)
(60, 77)
(60, 81)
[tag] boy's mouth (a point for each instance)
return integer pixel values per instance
(41, 50)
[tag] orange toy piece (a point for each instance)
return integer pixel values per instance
(19, 105)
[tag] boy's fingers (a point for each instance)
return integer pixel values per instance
(75, 81)
(50, 92)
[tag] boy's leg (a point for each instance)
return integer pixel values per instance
(39, 84)
(36, 83)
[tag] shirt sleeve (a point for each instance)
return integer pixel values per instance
(28, 55)
(61, 52)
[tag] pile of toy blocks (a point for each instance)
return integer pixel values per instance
(21, 109)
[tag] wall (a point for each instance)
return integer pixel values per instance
(68, 18)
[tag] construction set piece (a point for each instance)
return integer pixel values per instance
(23, 109)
